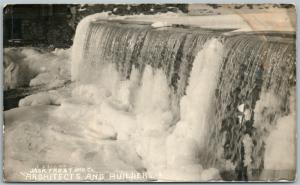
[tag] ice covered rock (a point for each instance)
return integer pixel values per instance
(42, 79)
(247, 114)
(21, 65)
(160, 24)
(42, 98)
(16, 74)
(11, 77)
(57, 83)
(240, 118)
(241, 107)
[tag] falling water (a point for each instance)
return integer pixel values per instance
(192, 85)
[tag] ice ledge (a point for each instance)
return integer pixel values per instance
(280, 20)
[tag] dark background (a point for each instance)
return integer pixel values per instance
(54, 25)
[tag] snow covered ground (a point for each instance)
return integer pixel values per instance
(37, 136)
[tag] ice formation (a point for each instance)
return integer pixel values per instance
(191, 130)
(151, 100)
(31, 66)
(160, 24)
(281, 143)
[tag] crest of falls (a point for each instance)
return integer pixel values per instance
(196, 104)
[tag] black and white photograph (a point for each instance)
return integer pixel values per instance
(149, 92)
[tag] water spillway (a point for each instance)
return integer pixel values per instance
(256, 79)
(128, 45)
(218, 97)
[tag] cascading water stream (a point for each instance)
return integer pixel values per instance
(194, 98)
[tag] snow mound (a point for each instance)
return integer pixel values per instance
(49, 79)
(42, 98)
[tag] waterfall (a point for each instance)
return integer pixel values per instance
(255, 65)
(197, 88)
